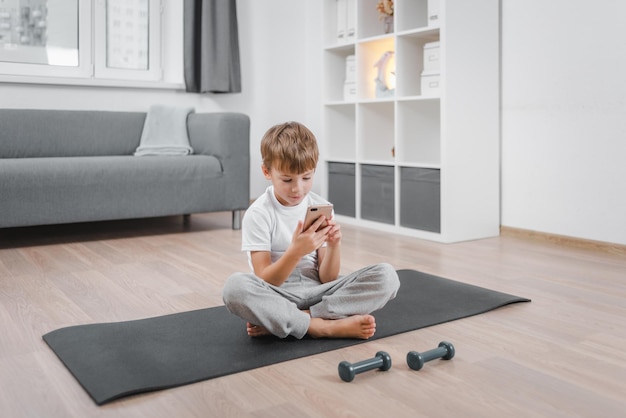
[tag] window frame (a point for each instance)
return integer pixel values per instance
(91, 69)
(154, 71)
(44, 70)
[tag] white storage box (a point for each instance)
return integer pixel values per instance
(433, 13)
(431, 57)
(431, 83)
(346, 21)
(350, 69)
(341, 21)
(349, 91)
(350, 20)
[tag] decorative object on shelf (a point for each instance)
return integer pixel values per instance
(385, 78)
(385, 8)
(388, 20)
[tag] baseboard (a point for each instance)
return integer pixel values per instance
(582, 243)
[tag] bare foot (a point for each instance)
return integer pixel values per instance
(256, 330)
(357, 326)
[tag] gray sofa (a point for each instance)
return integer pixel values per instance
(60, 166)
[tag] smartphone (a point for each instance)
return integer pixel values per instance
(315, 211)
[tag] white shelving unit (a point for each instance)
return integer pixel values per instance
(423, 163)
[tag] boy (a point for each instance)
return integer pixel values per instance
(295, 288)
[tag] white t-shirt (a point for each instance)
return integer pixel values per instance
(269, 226)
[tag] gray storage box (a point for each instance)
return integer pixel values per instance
(342, 188)
(377, 193)
(420, 198)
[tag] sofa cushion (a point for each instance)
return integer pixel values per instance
(76, 189)
(32, 133)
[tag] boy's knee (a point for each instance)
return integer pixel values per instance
(390, 277)
(387, 270)
(234, 287)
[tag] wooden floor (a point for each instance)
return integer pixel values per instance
(562, 355)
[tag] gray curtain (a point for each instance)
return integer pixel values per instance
(211, 46)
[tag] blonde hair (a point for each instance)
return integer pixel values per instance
(289, 147)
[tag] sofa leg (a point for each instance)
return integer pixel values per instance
(237, 215)
(186, 219)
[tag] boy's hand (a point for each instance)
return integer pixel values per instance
(333, 238)
(310, 240)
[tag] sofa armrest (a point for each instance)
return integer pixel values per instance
(226, 136)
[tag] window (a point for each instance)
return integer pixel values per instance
(56, 38)
(127, 34)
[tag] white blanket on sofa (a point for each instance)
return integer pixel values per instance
(165, 132)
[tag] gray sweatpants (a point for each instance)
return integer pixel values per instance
(279, 308)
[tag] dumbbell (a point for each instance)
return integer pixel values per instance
(416, 360)
(347, 370)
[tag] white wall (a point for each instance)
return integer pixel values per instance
(281, 39)
(564, 117)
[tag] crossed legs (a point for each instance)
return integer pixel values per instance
(339, 309)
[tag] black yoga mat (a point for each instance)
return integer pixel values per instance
(114, 360)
